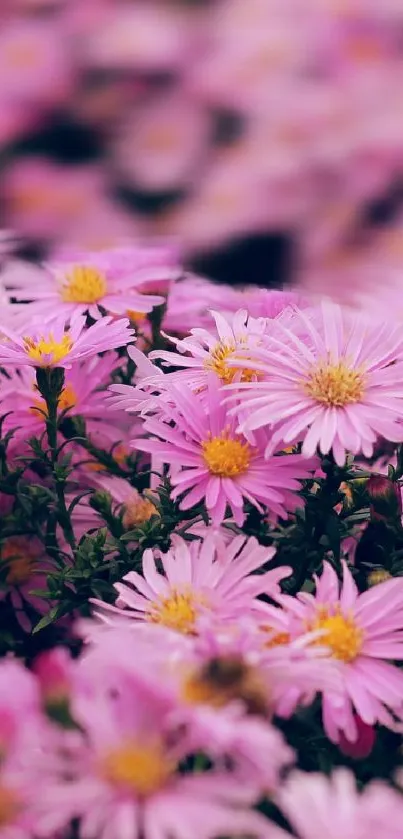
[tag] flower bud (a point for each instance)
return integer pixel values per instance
(137, 511)
(363, 745)
(53, 671)
(384, 497)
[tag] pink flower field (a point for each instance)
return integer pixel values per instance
(201, 419)
(201, 542)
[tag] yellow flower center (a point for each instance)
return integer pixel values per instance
(83, 285)
(217, 362)
(335, 384)
(340, 633)
(137, 512)
(19, 562)
(378, 575)
(9, 806)
(139, 768)
(226, 679)
(226, 457)
(178, 611)
(46, 351)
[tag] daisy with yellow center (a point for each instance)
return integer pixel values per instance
(328, 378)
(217, 465)
(46, 351)
(90, 283)
(60, 346)
(205, 352)
(196, 584)
(361, 634)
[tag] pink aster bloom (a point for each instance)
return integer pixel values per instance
(317, 806)
(198, 580)
(205, 352)
(217, 727)
(83, 282)
(127, 774)
(210, 460)
(364, 633)
(331, 378)
(60, 347)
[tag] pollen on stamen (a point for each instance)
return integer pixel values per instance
(46, 351)
(340, 633)
(227, 456)
(335, 385)
(178, 611)
(83, 284)
(217, 363)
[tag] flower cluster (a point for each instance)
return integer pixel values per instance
(208, 121)
(201, 574)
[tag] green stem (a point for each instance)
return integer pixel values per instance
(50, 383)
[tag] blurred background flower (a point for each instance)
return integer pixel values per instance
(265, 138)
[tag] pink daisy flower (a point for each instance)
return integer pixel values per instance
(317, 806)
(60, 347)
(81, 396)
(198, 580)
(218, 728)
(85, 282)
(331, 379)
(209, 351)
(364, 633)
(127, 774)
(211, 461)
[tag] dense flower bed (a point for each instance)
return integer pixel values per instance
(201, 551)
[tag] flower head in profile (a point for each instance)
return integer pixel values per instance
(58, 346)
(364, 635)
(211, 461)
(317, 805)
(205, 352)
(199, 579)
(89, 283)
(331, 379)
